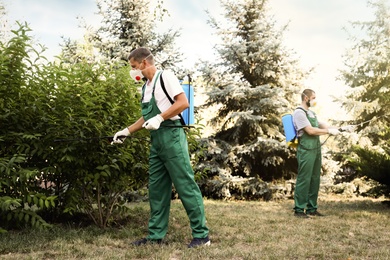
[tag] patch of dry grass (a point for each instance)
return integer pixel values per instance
(351, 229)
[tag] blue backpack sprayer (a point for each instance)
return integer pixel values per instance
(290, 131)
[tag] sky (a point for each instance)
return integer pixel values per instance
(315, 30)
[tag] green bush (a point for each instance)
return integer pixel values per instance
(92, 101)
(372, 164)
(43, 104)
(20, 197)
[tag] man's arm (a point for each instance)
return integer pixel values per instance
(322, 129)
(137, 125)
(316, 131)
(181, 103)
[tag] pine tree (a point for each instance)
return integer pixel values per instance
(126, 25)
(253, 84)
(367, 74)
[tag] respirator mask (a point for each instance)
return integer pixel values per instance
(136, 75)
(310, 103)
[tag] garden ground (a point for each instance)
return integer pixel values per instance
(357, 228)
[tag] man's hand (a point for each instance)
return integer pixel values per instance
(153, 123)
(118, 137)
(347, 128)
(333, 131)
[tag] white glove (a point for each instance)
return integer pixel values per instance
(117, 139)
(153, 123)
(347, 128)
(333, 131)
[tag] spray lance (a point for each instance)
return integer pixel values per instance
(88, 139)
(350, 128)
(110, 138)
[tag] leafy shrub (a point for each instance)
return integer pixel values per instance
(91, 174)
(20, 197)
(372, 164)
(41, 106)
(228, 187)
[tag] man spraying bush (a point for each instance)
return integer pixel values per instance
(169, 160)
(309, 155)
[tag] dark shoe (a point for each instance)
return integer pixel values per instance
(301, 215)
(316, 213)
(145, 241)
(199, 242)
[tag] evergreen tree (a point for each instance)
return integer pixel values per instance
(367, 74)
(126, 25)
(252, 85)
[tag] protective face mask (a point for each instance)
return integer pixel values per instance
(312, 103)
(136, 75)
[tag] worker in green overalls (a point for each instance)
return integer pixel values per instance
(169, 160)
(308, 155)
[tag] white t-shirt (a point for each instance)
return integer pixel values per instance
(172, 86)
(300, 120)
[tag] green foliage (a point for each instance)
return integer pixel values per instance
(368, 100)
(372, 164)
(252, 86)
(197, 149)
(96, 106)
(41, 106)
(17, 147)
(14, 214)
(367, 75)
(227, 187)
(92, 101)
(21, 203)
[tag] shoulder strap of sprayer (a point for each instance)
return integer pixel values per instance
(302, 110)
(170, 99)
(296, 136)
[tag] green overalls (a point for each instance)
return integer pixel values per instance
(169, 162)
(309, 170)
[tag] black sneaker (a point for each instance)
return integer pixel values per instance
(145, 241)
(316, 213)
(301, 215)
(199, 242)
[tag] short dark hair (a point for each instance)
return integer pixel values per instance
(307, 93)
(139, 54)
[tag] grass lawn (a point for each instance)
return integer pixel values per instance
(351, 229)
